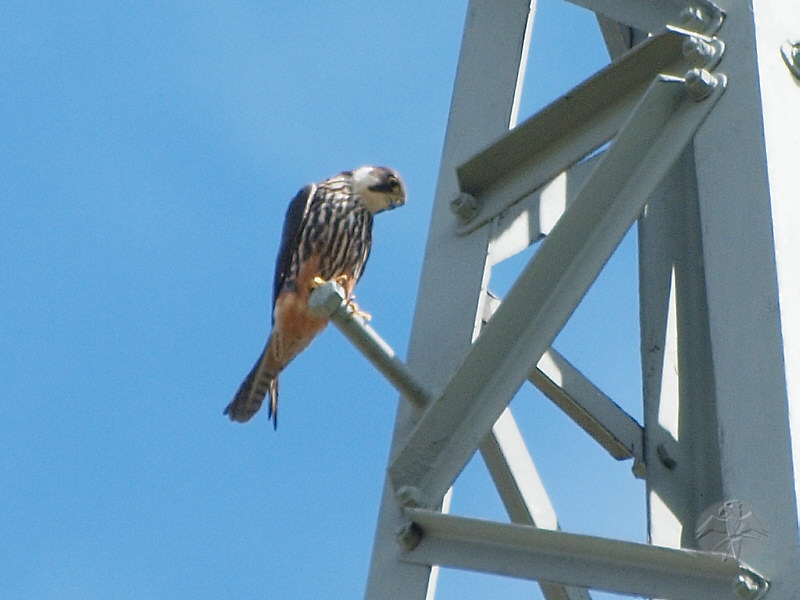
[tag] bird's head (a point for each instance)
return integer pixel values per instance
(381, 188)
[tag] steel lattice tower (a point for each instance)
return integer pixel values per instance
(691, 133)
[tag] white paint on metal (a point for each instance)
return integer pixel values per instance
(549, 288)
(612, 565)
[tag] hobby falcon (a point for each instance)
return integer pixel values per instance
(327, 234)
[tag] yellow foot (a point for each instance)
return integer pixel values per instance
(364, 315)
(343, 280)
(318, 281)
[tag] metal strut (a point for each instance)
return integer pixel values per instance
(520, 549)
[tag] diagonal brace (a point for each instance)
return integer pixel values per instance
(551, 286)
(503, 449)
(583, 402)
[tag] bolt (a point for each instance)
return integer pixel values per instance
(790, 51)
(409, 496)
(700, 83)
(749, 586)
(665, 458)
(700, 50)
(694, 15)
(701, 18)
(465, 207)
(409, 536)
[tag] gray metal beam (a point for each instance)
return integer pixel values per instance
(597, 414)
(682, 443)
(777, 23)
(503, 449)
(745, 157)
(573, 126)
(550, 287)
(618, 37)
(580, 560)
(328, 301)
(646, 15)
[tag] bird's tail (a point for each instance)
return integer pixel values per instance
(258, 383)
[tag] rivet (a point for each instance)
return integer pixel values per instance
(465, 207)
(665, 458)
(700, 83)
(409, 536)
(409, 496)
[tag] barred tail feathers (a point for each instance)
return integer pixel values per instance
(248, 399)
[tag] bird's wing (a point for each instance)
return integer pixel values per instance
(292, 224)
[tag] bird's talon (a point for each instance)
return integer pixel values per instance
(357, 311)
(318, 281)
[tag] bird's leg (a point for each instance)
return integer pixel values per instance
(347, 283)
(317, 281)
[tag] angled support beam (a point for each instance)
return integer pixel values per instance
(582, 401)
(551, 286)
(329, 300)
(597, 414)
(580, 560)
(699, 15)
(575, 125)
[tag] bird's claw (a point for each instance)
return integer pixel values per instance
(357, 311)
(342, 280)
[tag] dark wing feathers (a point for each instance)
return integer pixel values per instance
(295, 215)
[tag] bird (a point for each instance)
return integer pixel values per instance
(327, 235)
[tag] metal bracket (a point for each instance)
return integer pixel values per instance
(645, 15)
(574, 126)
(790, 51)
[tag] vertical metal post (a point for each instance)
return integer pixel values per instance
(485, 96)
(751, 278)
(681, 441)
(777, 25)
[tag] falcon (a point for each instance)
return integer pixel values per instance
(327, 235)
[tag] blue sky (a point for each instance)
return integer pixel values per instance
(147, 153)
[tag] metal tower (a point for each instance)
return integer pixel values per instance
(692, 133)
